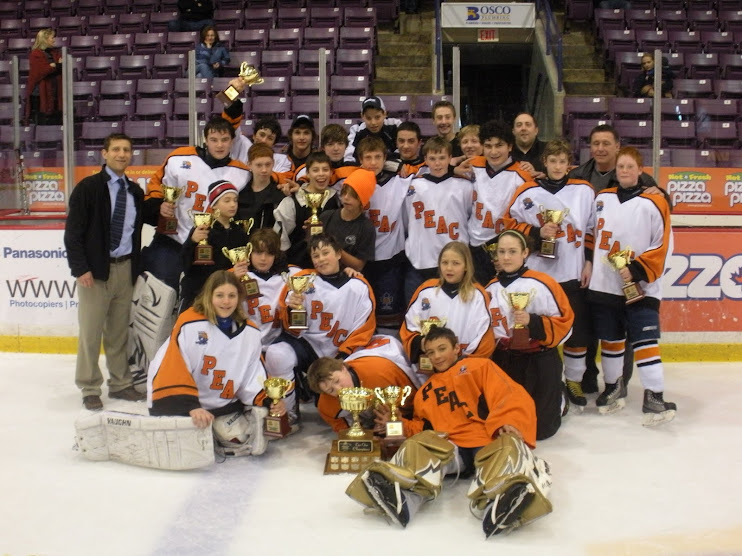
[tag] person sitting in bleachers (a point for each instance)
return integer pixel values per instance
(211, 54)
(644, 82)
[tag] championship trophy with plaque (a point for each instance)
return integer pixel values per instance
(424, 365)
(298, 285)
(314, 201)
(277, 426)
(521, 338)
(168, 225)
(204, 252)
(355, 447)
(249, 76)
(389, 396)
(549, 246)
(237, 255)
(631, 290)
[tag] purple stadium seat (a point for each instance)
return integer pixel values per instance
(251, 39)
(321, 37)
(347, 106)
(703, 20)
(116, 110)
(618, 39)
(260, 18)
(579, 131)
(279, 63)
(731, 20)
(290, 18)
(133, 23)
(398, 106)
(229, 19)
(731, 65)
(305, 85)
(85, 45)
(270, 106)
(700, 4)
(289, 4)
(359, 17)
(694, 88)
(354, 62)
(149, 6)
(180, 42)
(665, 157)
(123, 89)
(649, 40)
(685, 41)
(349, 85)
(718, 135)
(351, 3)
(180, 90)
(678, 109)
(386, 10)
(7, 115)
(154, 88)
(13, 28)
(585, 108)
(252, 57)
(717, 110)
(218, 84)
(676, 61)
(153, 109)
(325, 17)
(137, 66)
(71, 25)
(634, 133)
(6, 92)
(672, 20)
(18, 47)
(719, 42)
(150, 43)
(117, 7)
(177, 133)
(729, 159)
(168, 5)
(728, 88)
(357, 37)
(100, 67)
(36, 24)
(117, 45)
(690, 158)
(670, 4)
(9, 10)
(579, 10)
(35, 8)
(631, 108)
(679, 134)
(47, 138)
(78, 67)
(309, 61)
(7, 139)
(93, 133)
(606, 19)
(102, 24)
(89, 7)
(305, 105)
(158, 21)
(641, 19)
(272, 87)
(169, 65)
(285, 39)
(703, 66)
(424, 105)
(145, 134)
(182, 112)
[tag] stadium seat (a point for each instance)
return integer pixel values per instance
(321, 37)
(180, 89)
(679, 134)
(305, 105)
(148, 6)
(150, 43)
(154, 109)
(228, 19)
(47, 138)
(181, 42)
(387, 11)
(116, 110)
(34, 8)
(607, 19)
(641, 19)
(718, 135)
(9, 10)
(693, 159)
(718, 110)
(177, 133)
(85, 90)
(154, 88)
(325, 17)
(703, 20)
(630, 108)
(694, 88)
(133, 23)
(347, 106)
(123, 89)
(579, 131)
(583, 108)
(252, 57)
(7, 138)
(398, 106)
(89, 7)
(678, 109)
(727, 158)
(728, 88)
(424, 105)
(731, 20)
(100, 67)
(145, 134)
(703, 66)
(648, 41)
(277, 86)
(279, 63)
(84, 45)
(102, 24)
(354, 62)
(305, 85)
(136, 66)
(117, 45)
(277, 107)
(718, 42)
(578, 10)
(357, 37)
(634, 133)
(13, 28)
(251, 39)
(291, 18)
(285, 39)
(18, 47)
(158, 21)
(672, 20)
(169, 65)
(685, 41)
(260, 18)
(351, 3)
(349, 85)
(181, 111)
(359, 17)
(117, 7)
(36, 24)
(309, 62)
(71, 25)
(731, 65)
(618, 39)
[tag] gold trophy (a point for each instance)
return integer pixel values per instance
(631, 290)
(249, 76)
(298, 285)
(204, 252)
(491, 249)
(277, 426)
(519, 301)
(549, 246)
(394, 430)
(355, 447)
(168, 225)
(237, 255)
(314, 201)
(245, 225)
(424, 364)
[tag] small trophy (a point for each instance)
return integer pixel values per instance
(354, 448)
(298, 285)
(549, 246)
(245, 225)
(237, 255)
(631, 290)
(394, 431)
(424, 364)
(314, 202)
(519, 301)
(249, 75)
(277, 426)
(204, 252)
(491, 249)
(168, 225)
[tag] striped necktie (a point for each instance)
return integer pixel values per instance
(119, 215)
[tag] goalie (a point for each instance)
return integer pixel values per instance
(469, 418)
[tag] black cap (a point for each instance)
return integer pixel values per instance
(373, 102)
(302, 119)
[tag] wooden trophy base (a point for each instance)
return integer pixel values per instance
(228, 96)
(633, 292)
(252, 289)
(351, 455)
(390, 445)
(204, 255)
(277, 426)
(167, 225)
(548, 249)
(314, 229)
(298, 319)
(521, 339)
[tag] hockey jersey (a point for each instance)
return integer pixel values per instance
(385, 212)
(263, 310)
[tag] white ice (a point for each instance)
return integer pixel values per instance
(619, 488)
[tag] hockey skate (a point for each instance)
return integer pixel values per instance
(575, 395)
(613, 398)
(656, 410)
(502, 515)
(389, 496)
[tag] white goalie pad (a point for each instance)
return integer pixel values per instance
(241, 434)
(150, 322)
(173, 443)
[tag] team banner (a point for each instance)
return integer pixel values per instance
(468, 15)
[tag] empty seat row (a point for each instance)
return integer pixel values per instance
(699, 110)
(690, 42)
(686, 158)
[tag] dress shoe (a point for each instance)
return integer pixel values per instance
(129, 394)
(92, 403)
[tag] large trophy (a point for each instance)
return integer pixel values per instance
(238, 255)
(277, 426)
(631, 290)
(394, 431)
(204, 252)
(249, 76)
(298, 285)
(519, 301)
(549, 246)
(355, 447)
(168, 225)
(314, 202)
(424, 364)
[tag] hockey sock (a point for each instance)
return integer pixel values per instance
(574, 363)
(649, 363)
(611, 354)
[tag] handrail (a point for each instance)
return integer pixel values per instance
(553, 37)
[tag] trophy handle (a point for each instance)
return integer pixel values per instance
(225, 252)
(379, 394)
(405, 394)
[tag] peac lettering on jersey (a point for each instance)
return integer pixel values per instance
(198, 198)
(485, 217)
(377, 342)
(326, 323)
(443, 397)
(381, 224)
(217, 378)
(209, 363)
(605, 239)
(498, 318)
(429, 221)
(262, 313)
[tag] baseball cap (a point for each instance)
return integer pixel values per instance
(373, 102)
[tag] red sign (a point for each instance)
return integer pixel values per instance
(488, 35)
(702, 190)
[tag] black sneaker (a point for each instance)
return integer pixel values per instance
(389, 496)
(502, 514)
(656, 410)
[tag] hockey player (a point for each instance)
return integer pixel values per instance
(374, 123)
(409, 143)
(453, 297)
(573, 264)
(469, 418)
(548, 318)
(630, 218)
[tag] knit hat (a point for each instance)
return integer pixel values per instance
(363, 183)
(373, 102)
(218, 189)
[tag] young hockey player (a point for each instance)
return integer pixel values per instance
(374, 123)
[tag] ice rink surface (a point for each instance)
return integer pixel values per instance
(619, 488)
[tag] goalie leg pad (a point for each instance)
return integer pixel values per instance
(241, 434)
(173, 443)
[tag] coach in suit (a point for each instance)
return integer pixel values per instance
(103, 240)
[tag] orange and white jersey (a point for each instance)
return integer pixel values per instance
(241, 145)
(340, 314)
(200, 361)
(548, 301)
(264, 310)
(184, 168)
(641, 223)
(493, 192)
(470, 320)
(436, 212)
(385, 212)
(575, 233)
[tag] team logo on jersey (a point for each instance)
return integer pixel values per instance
(426, 304)
(410, 191)
(311, 289)
(203, 339)
(463, 370)
(186, 165)
(599, 206)
(528, 203)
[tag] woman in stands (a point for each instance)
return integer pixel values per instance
(644, 82)
(211, 54)
(44, 90)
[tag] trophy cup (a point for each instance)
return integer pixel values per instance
(519, 301)
(249, 76)
(354, 448)
(314, 202)
(204, 252)
(168, 225)
(549, 246)
(277, 426)
(424, 364)
(298, 285)
(394, 431)
(237, 255)
(491, 251)
(245, 225)
(631, 290)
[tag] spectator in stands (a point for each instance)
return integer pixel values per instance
(193, 15)
(644, 82)
(528, 150)
(211, 54)
(44, 90)
(444, 118)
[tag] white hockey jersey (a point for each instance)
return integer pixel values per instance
(264, 310)
(241, 145)
(385, 212)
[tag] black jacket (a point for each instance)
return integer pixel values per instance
(88, 228)
(585, 171)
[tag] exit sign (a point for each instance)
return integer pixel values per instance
(488, 35)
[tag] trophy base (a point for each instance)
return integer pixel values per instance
(521, 339)
(425, 366)
(633, 292)
(548, 249)
(252, 289)
(228, 96)
(167, 225)
(204, 255)
(390, 445)
(298, 319)
(277, 426)
(339, 461)
(314, 229)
